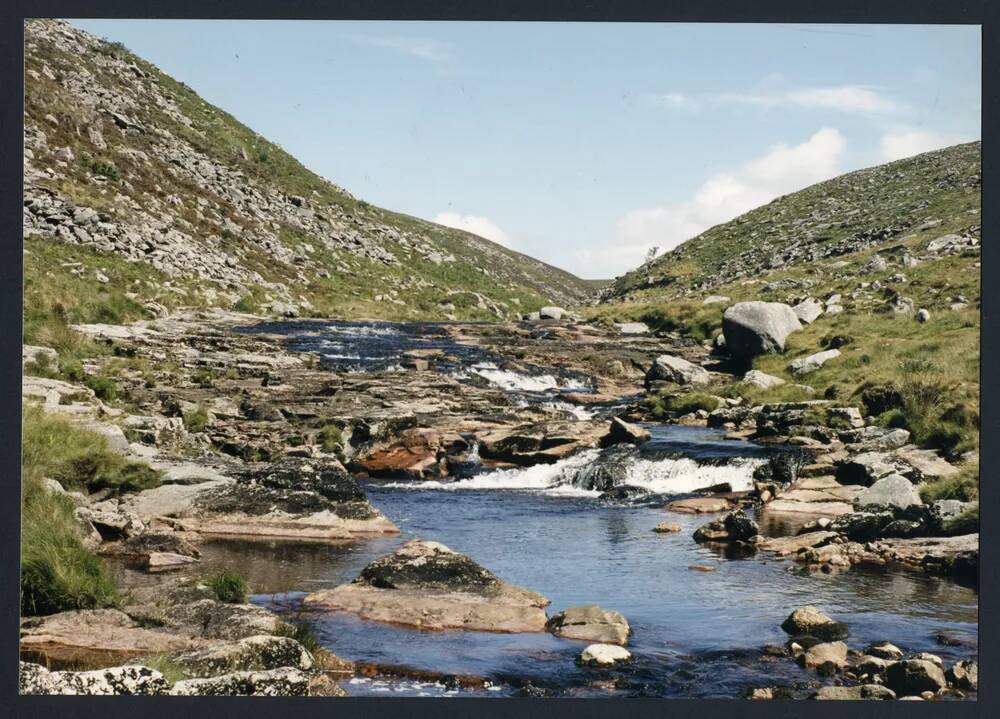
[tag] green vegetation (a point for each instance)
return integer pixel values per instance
(331, 439)
(57, 572)
(172, 671)
(229, 587)
(53, 447)
(965, 523)
(963, 486)
(663, 404)
(299, 629)
(197, 420)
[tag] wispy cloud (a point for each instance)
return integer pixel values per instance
(907, 142)
(845, 98)
(420, 48)
(782, 169)
(477, 225)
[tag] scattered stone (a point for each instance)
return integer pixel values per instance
(806, 365)
(923, 315)
(964, 675)
(808, 310)
(826, 655)
(734, 527)
(551, 313)
(884, 650)
(763, 380)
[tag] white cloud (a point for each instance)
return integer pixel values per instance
(482, 226)
(845, 98)
(421, 48)
(720, 198)
(904, 142)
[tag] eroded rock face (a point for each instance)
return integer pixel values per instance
(429, 586)
(591, 623)
(115, 681)
(755, 328)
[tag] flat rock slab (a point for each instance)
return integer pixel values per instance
(426, 585)
(698, 505)
(96, 637)
(818, 509)
(784, 546)
(423, 610)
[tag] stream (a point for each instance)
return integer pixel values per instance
(695, 633)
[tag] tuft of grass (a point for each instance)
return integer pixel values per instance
(163, 663)
(331, 439)
(77, 458)
(663, 404)
(299, 630)
(229, 587)
(203, 378)
(965, 523)
(196, 420)
(963, 486)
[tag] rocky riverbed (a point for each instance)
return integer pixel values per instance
(459, 508)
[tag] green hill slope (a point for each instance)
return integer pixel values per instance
(138, 191)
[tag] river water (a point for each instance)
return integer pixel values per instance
(695, 633)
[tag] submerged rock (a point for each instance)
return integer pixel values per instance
(429, 586)
(591, 623)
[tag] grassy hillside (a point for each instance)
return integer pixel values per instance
(125, 164)
(866, 241)
(874, 207)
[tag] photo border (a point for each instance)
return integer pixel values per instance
(978, 12)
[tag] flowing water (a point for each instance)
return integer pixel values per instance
(695, 633)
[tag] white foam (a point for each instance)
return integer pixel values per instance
(514, 381)
(660, 476)
(581, 413)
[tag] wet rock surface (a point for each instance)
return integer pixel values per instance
(590, 623)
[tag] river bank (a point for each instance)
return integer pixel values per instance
(303, 452)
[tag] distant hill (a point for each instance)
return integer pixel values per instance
(859, 211)
(127, 168)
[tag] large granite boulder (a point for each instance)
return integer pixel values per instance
(912, 677)
(429, 586)
(755, 328)
(590, 623)
(622, 432)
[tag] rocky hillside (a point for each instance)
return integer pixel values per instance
(134, 183)
(860, 211)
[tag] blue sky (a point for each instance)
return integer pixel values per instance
(581, 144)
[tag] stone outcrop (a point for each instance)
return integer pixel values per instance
(428, 586)
(669, 368)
